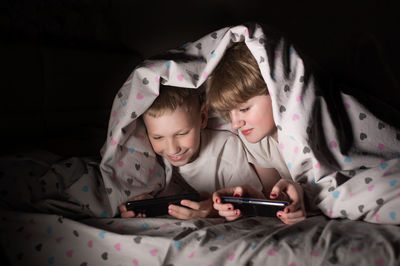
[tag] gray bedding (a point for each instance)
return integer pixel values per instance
(46, 225)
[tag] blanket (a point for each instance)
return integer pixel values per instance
(345, 157)
(63, 211)
(43, 239)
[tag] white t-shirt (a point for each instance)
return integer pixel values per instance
(266, 154)
(221, 163)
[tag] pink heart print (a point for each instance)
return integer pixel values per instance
(113, 142)
(153, 252)
(271, 252)
(333, 144)
(180, 77)
(139, 96)
(70, 253)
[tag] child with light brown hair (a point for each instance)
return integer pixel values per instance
(208, 160)
(237, 90)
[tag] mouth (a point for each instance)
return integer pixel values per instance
(246, 132)
(176, 158)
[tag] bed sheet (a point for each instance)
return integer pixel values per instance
(43, 239)
(45, 224)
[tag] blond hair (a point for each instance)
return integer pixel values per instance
(235, 80)
(170, 98)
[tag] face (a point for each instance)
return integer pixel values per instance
(254, 118)
(176, 136)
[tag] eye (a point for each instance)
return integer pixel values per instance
(244, 109)
(183, 133)
(157, 137)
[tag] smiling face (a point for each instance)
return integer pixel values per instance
(175, 135)
(254, 118)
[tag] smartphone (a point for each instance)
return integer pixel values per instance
(256, 207)
(159, 206)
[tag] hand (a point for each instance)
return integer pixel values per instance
(227, 210)
(130, 214)
(193, 209)
(286, 189)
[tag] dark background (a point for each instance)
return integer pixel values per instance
(62, 61)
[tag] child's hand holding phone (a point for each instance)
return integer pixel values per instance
(193, 209)
(227, 210)
(125, 213)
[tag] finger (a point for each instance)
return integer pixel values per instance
(291, 217)
(122, 208)
(141, 215)
(229, 191)
(238, 192)
(191, 204)
(277, 188)
(294, 206)
(179, 212)
(230, 215)
(225, 191)
(223, 207)
(128, 214)
(292, 220)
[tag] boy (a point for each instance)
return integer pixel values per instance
(237, 90)
(208, 160)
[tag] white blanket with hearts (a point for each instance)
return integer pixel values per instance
(345, 157)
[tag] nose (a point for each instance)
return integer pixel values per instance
(173, 147)
(236, 120)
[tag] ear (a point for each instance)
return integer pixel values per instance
(203, 115)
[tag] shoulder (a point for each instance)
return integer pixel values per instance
(220, 138)
(224, 144)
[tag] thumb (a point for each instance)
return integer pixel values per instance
(277, 189)
(238, 192)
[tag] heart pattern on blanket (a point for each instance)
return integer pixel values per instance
(271, 252)
(363, 136)
(139, 96)
(180, 77)
(70, 253)
(51, 260)
(367, 180)
(104, 256)
(362, 116)
(333, 144)
(154, 252)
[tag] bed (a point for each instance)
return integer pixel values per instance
(63, 210)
